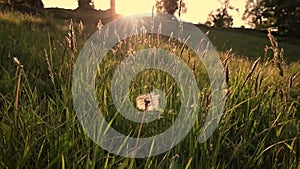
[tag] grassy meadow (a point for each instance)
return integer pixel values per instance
(260, 127)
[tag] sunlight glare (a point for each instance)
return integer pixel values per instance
(197, 10)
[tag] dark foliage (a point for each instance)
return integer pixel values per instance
(85, 4)
(221, 17)
(283, 15)
(170, 6)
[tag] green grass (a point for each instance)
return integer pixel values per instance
(250, 43)
(259, 128)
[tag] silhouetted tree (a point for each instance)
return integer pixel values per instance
(253, 14)
(281, 14)
(29, 3)
(85, 4)
(221, 17)
(24, 6)
(170, 6)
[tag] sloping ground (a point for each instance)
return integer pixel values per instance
(89, 16)
(244, 42)
(251, 43)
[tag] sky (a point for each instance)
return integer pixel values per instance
(197, 10)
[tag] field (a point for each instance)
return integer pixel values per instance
(39, 127)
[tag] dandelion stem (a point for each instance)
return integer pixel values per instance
(19, 72)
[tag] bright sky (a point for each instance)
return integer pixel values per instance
(197, 10)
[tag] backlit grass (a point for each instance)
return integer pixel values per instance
(259, 128)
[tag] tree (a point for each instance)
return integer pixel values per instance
(35, 3)
(30, 3)
(85, 4)
(221, 17)
(253, 14)
(24, 6)
(170, 6)
(283, 15)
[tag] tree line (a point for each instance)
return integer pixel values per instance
(283, 15)
(29, 3)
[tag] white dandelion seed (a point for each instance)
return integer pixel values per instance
(148, 102)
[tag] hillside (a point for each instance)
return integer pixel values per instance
(250, 43)
(244, 42)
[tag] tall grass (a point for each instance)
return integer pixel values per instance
(259, 129)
